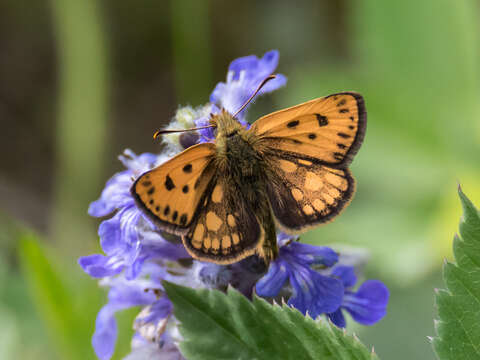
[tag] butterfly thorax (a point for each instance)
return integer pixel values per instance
(236, 152)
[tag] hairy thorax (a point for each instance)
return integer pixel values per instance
(236, 151)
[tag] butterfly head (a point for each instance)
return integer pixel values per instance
(226, 125)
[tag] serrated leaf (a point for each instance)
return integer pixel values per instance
(458, 327)
(216, 325)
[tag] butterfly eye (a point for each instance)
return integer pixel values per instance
(188, 139)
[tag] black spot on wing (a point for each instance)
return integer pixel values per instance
(187, 168)
(185, 189)
(169, 183)
(293, 123)
(322, 120)
(312, 136)
(151, 190)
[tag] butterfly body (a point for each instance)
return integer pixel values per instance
(289, 170)
(242, 166)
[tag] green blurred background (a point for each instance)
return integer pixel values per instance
(82, 80)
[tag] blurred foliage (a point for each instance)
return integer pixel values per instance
(67, 301)
(416, 63)
(82, 117)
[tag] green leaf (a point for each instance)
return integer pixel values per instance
(215, 325)
(66, 300)
(458, 327)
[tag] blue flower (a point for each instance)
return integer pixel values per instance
(127, 238)
(367, 305)
(244, 76)
(147, 291)
(312, 291)
(122, 295)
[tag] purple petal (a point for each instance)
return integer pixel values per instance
(134, 267)
(246, 63)
(279, 81)
(115, 195)
(120, 297)
(272, 282)
(117, 189)
(346, 275)
(164, 249)
(110, 235)
(315, 293)
(129, 217)
(99, 266)
(159, 310)
(337, 318)
(283, 238)
(369, 304)
(313, 255)
(244, 76)
(105, 336)
(208, 135)
(269, 62)
(138, 164)
(215, 276)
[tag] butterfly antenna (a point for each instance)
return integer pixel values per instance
(170, 131)
(267, 79)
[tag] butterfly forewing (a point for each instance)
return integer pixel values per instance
(170, 193)
(225, 230)
(328, 130)
(303, 194)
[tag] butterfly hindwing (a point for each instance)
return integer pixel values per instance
(170, 194)
(225, 229)
(327, 130)
(303, 194)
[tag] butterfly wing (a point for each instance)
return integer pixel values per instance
(327, 130)
(303, 194)
(226, 229)
(171, 193)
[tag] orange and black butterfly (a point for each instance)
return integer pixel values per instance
(289, 170)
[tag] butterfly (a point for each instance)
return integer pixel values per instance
(289, 170)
